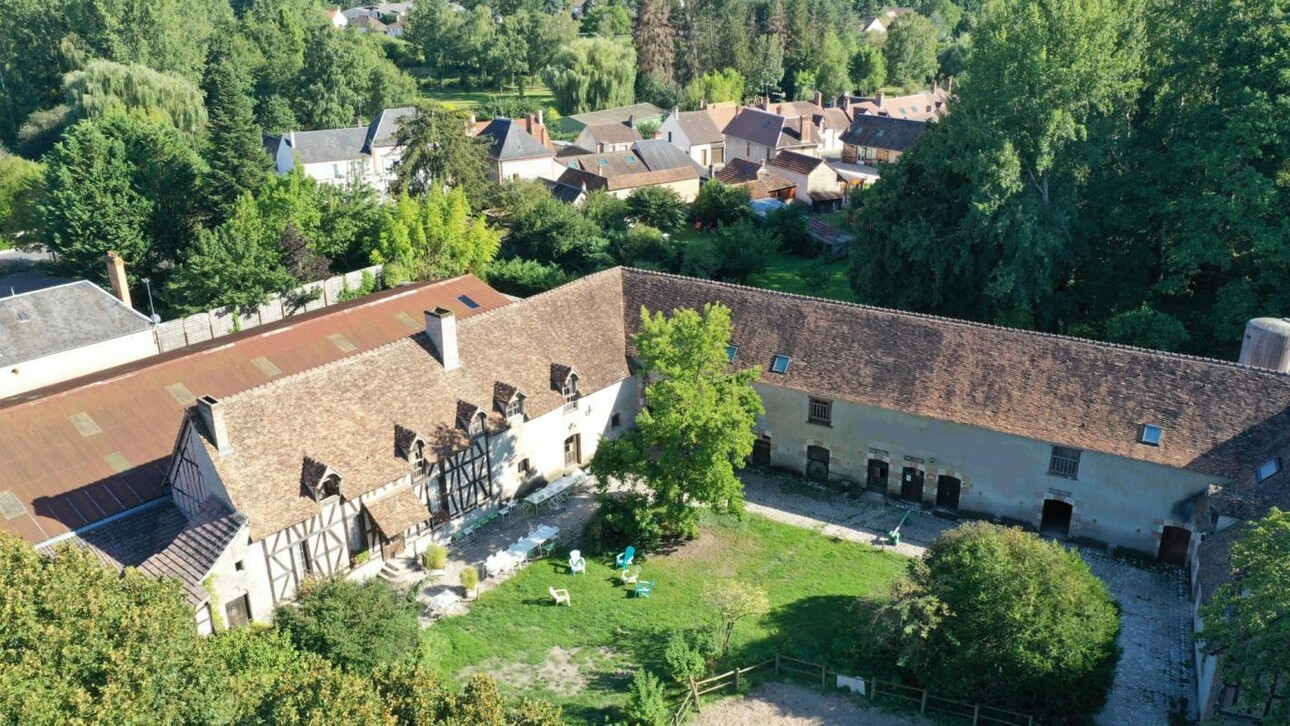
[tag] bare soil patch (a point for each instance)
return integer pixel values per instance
(561, 672)
(786, 704)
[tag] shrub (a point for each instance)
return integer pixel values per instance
(685, 655)
(435, 557)
(645, 246)
(356, 625)
(790, 227)
(361, 558)
(646, 701)
(523, 277)
(718, 203)
(470, 577)
(621, 520)
(658, 207)
(999, 615)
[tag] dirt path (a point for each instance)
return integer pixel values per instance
(786, 704)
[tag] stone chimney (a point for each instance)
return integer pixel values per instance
(803, 126)
(878, 99)
(1266, 344)
(116, 276)
(539, 118)
(212, 413)
(845, 103)
(528, 123)
(441, 329)
(819, 99)
(291, 138)
(631, 121)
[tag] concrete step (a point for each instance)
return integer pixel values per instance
(397, 569)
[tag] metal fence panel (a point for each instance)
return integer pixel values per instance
(197, 327)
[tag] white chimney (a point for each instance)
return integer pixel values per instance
(212, 413)
(441, 329)
(1266, 344)
(116, 276)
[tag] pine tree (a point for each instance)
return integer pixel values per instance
(655, 39)
(238, 163)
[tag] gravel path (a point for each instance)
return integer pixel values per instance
(787, 704)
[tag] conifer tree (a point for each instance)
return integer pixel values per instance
(234, 152)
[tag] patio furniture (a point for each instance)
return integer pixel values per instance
(560, 596)
(629, 577)
(500, 563)
(576, 563)
(644, 588)
(625, 559)
(554, 492)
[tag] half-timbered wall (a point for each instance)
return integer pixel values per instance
(192, 473)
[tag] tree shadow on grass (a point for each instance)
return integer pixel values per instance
(823, 629)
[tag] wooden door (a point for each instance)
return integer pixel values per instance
(911, 485)
(392, 547)
(1174, 543)
(947, 492)
(573, 450)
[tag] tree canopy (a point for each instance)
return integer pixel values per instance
(591, 73)
(698, 427)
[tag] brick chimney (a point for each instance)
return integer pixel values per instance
(116, 276)
(539, 118)
(441, 329)
(631, 121)
(212, 414)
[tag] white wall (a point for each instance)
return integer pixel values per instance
(66, 365)
(540, 168)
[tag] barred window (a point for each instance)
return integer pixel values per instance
(820, 412)
(1064, 462)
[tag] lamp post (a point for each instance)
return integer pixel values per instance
(147, 283)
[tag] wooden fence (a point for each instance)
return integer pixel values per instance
(975, 713)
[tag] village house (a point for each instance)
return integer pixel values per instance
(649, 163)
(815, 182)
(386, 18)
(881, 22)
(608, 138)
(518, 148)
(829, 122)
(874, 139)
(336, 17)
(636, 113)
(697, 134)
(760, 181)
(1100, 444)
(758, 135)
(929, 105)
(359, 154)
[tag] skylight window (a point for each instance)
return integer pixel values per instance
(731, 352)
(631, 160)
(1268, 470)
(1150, 435)
(604, 162)
(779, 365)
(467, 301)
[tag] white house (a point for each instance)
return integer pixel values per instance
(695, 133)
(817, 184)
(519, 149)
(758, 135)
(365, 154)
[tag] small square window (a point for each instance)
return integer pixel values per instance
(1064, 462)
(239, 565)
(779, 365)
(820, 412)
(515, 407)
(524, 468)
(731, 352)
(1150, 435)
(1269, 469)
(615, 421)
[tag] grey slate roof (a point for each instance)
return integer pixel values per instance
(383, 129)
(317, 147)
(640, 111)
(884, 132)
(567, 193)
(699, 127)
(756, 126)
(659, 155)
(55, 319)
(509, 140)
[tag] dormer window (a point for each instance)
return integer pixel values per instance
(476, 424)
(418, 452)
(319, 481)
(515, 407)
(331, 485)
(1268, 470)
(570, 392)
(1150, 435)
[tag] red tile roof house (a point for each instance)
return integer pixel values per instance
(391, 445)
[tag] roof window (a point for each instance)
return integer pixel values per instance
(779, 365)
(731, 352)
(467, 301)
(1150, 435)
(1269, 469)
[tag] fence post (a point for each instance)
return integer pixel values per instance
(736, 678)
(923, 708)
(824, 677)
(694, 687)
(777, 664)
(976, 713)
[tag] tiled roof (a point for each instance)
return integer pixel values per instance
(722, 113)
(884, 132)
(738, 171)
(1247, 497)
(326, 145)
(509, 141)
(384, 129)
(619, 115)
(760, 181)
(699, 127)
(1218, 417)
(344, 413)
(612, 133)
(398, 511)
(926, 105)
(649, 162)
(795, 162)
(54, 319)
(757, 126)
(89, 448)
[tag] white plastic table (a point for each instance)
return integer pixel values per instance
(500, 562)
(555, 489)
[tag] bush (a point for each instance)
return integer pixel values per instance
(435, 557)
(644, 246)
(470, 578)
(524, 277)
(646, 701)
(718, 203)
(621, 520)
(356, 625)
(998, 615)
(790, 228)
(658, 207)
(690, 652)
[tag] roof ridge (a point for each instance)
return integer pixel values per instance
(969, 323)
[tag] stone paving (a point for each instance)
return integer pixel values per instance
(1154, 676)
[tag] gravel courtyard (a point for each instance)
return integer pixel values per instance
(1154, 677)
(787, 704)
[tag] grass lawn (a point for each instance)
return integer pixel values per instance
(781, 274)
(582, 656)
(464, 98)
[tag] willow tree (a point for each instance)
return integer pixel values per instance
(698, 428)
(591, 73)
(103, 88)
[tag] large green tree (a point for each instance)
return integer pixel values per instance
(868, 68)
(698, 427)
(234, 150)
(355, 625)
(591, 73)
(103, 88)
(655, 39)
(434, 236)
(911, 50)
(1248, 620)
(1000, 616)
(436, 150)
(21, 184)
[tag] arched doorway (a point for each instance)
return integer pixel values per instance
(947, 492)
(1174, 543)
(1056, 520)
(761, 451)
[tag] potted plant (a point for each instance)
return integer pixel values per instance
(435, 559)
(470, 580)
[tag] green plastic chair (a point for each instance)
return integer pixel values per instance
(644, 588)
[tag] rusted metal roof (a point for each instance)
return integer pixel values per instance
(88, 448)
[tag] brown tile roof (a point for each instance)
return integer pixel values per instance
(883, 132)
(722, 113)
(797, 163)
(397, 512)
(1218, 417)
(344, 413)
(699, 127)
(1248, 498)
(760, 181)
(1214, 561)
(926, 105)
(64, 478)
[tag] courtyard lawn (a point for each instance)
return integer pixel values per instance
(781, 274)
(583, 656)
(469, 99)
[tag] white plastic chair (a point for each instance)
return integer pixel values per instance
(560, 596)
(576, 563)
